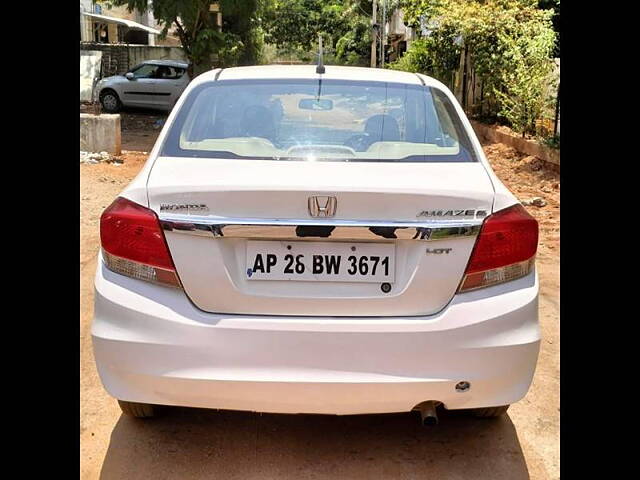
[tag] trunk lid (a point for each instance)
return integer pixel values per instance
(213, 270)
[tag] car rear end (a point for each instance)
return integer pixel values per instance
(365, 269)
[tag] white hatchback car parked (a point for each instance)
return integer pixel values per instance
(329, 243)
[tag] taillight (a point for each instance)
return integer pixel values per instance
(133, 243)
(505, 249)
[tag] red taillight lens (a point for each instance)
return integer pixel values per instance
(134, 244)
(505, 249)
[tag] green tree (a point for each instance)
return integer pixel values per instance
(555, 6)
(526, 74)
(509, 41)
(238, 42)
(293, 27)
(243, 34)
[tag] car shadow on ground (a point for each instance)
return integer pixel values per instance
(196, 443)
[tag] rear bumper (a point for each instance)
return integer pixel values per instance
(152, 345)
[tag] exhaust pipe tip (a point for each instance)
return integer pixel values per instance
(428, 413)
(430, 421)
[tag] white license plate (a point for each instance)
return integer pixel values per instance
(320, 261)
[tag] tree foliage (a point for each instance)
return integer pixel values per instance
(510, 42)
(243, 34)
(555, 19)
(239, 41)
(294, 25)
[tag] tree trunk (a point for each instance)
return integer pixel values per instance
(464, 79)
(557, 115)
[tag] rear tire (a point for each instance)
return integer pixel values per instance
(137, 410)
(489, 412)
(110, 101)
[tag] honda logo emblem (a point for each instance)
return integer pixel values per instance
(322, 206)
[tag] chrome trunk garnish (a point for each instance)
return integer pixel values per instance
(336, 230)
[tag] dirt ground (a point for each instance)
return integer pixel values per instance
(195, 443)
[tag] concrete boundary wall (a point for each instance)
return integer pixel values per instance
(100, 133)
(117, 58)
(90, 61)
(530, 147)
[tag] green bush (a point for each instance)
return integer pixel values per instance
(416, 59)
(510, 43)
(552, 142)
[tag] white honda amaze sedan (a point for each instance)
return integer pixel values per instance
(329, 243)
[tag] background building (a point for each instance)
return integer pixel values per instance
(100, 24)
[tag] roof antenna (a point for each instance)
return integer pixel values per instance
(320, 67)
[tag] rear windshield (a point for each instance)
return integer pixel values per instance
(318, 120)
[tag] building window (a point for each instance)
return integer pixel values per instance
(101, 33)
